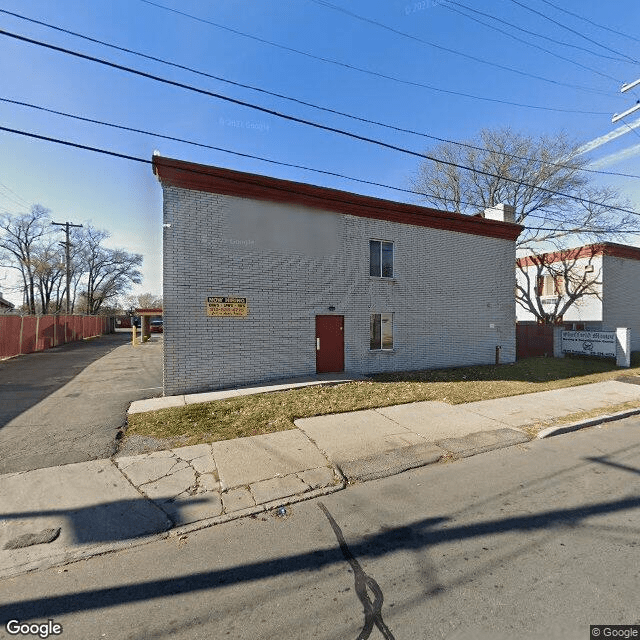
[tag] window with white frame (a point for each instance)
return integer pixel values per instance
(381, 331)
(550, 286)
(380, 259)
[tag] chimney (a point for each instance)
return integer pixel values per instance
(501, 212)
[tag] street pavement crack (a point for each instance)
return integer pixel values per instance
(372, 610)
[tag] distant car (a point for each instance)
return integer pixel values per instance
(156, 326)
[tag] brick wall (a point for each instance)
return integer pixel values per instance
(451, 295)
(621, 296)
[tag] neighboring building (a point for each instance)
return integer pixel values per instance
(613, 300)
(5, 305)
(267, 278)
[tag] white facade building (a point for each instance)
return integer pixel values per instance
(267, 279)
(614, 299)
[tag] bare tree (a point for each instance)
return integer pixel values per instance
(20, 239)
(143, 301)
(554, 200)
(548, 284)
(107, 272)
(49, 270)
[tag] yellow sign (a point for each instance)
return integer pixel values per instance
(229, 306)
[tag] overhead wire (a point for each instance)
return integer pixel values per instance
(383, 76)
(578, 33)
(595, 24)
(12, 196)
(125, 156)
(236, 153)
(446, 4)
(288, 117)
(533, 33)
(303, 102)
(409, 36)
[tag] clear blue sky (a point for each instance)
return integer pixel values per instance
(124, 197)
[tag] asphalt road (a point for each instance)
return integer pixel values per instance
(67, 404)
(537, 541)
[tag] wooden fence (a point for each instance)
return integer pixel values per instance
(534, 340)
(26, 334)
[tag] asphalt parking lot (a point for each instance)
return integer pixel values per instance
(68, 404)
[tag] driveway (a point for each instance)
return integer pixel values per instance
(68, 404)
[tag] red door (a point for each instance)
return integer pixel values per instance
(329, 344)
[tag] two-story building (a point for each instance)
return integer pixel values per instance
(611, 273)
(265, 278)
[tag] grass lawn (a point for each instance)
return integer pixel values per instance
(268, 412)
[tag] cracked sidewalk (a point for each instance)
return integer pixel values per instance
(60, 514)
(205, 481)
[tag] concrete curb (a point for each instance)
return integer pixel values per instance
(250, 511)
(583, 424)
(390, 463)
(69, 557)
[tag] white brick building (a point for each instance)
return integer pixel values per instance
(311, 279)
(615, 271)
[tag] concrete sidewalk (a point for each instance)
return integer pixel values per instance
(55, 515)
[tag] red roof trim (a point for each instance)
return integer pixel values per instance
(604, 248)
(200, 177)
(147, 311)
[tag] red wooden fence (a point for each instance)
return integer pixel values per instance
(534, 340)
(25, 334)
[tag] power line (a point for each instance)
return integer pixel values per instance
(252, 156)
(578, 33)
(236, 153)
(303, 102)
(537, 35)
(446, 4)
(291, 118)
(205, 146)
(327, 60)
(595, 24)
(381, 124)
(17, 197)
(334, 7)
(77, 145)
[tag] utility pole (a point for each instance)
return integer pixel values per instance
(67, 226)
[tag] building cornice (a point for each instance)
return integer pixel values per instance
(588, 251)
(187, 175)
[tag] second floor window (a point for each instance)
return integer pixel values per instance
(550, 286)
(380, 259)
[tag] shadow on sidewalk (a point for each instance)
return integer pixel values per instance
(28, 379)
(114, 521)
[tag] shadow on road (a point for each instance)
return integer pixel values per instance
(419, 535)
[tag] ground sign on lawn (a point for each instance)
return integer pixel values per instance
(590, 343)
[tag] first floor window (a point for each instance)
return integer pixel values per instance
(381, 331)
